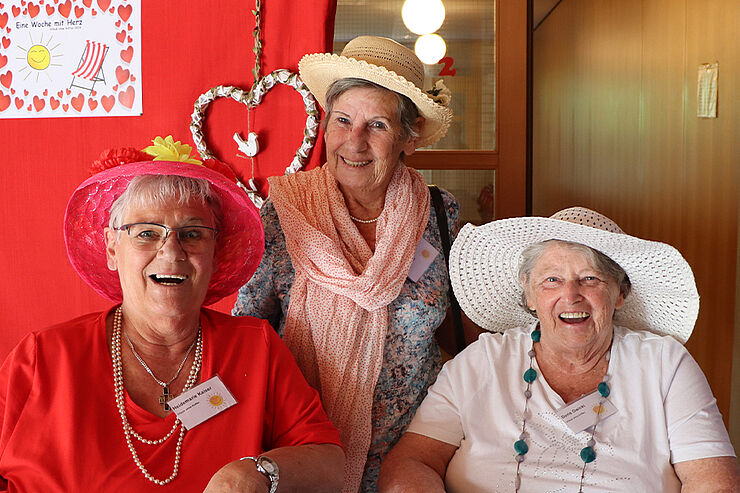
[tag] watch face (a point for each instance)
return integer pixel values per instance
(268, 465)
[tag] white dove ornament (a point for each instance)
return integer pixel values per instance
(249, 147)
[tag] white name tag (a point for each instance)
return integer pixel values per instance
(581, 414)
(423, 258)
(202, 402)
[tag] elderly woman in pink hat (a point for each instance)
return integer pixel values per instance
(584, 386)
(158, 393)
(354, 276)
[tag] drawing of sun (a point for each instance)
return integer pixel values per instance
(216, 400)
(39, 57)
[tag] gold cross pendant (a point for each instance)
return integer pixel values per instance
(166, 396)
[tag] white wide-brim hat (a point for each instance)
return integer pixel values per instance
(388, 64)
(484, 265)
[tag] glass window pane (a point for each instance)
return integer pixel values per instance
(468, 69)
(473, 189)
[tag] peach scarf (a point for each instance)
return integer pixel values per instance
(338, 316)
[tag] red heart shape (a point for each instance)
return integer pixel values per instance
(49, 9)
(46, 92)
(93, 93)
(68, 92)
(65, 8)
(3, 20)
(129, 27)
(54, 103)
(115, 88)
(118, 23)
(60, 93)
(94, 12)
(103, 4)
(18, 103)
(4, 101)
(126, 97)
(29, 107)
(92, 104)
(127, 54)
(112, 10)
(33, 10)
(125, 12)
(25, 92)
(65, 107)
(121, 37)
(108, 102)
(79, 11)
(6, 42)
(122, 75)
(16, 11)
(38, 103)
(130, 39)
(8, 29)
(78, 101)
(6, 79)
(87, 2)
(23, 3)
(3, 60)
(12, 91)
(133, 78)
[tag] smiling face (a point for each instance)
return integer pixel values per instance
(168, 282)
(38, 57)
(575, 302)
(364, 140)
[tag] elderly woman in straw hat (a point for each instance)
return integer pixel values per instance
(158, 393)
(585, 384)
(353, 276)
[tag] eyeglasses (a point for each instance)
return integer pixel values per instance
(152, 236)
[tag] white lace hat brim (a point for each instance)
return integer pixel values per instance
(484, 264)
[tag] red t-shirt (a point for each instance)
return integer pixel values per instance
(60, 430)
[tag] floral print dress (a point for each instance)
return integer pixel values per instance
(411, 357)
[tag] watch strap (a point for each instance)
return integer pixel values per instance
(271, 472)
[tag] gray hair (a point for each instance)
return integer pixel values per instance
(406, 110)
(160, 190)
(601, 262)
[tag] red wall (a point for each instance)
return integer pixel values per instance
(187, 47)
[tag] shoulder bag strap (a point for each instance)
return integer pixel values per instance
(444, 234)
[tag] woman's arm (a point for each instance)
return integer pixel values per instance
(303, 468)
(416, 464)
(717, 474)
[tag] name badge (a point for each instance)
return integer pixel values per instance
(423, 258)
(202, 402)
(581, 414)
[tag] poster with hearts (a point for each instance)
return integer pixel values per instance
(70, 58)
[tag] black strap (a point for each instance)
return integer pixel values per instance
(444, 235)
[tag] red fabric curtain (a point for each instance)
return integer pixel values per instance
(187, 48)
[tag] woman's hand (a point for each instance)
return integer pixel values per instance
(239, 476)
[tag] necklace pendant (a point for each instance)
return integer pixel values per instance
(166, 396)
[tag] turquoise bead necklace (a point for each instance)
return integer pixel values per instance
(520, 446)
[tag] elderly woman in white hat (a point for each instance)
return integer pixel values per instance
(353, 276)
(584, 384)
(157, 393)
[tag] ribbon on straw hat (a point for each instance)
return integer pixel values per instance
(484, 264)
(388, 64)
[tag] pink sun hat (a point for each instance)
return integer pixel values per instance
(240, 240)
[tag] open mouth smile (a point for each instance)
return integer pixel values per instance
(356, 164)
(168, 279)
(574, 317)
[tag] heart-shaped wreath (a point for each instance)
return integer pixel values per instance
(252, 98)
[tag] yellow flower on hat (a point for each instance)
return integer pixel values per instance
(168, 150)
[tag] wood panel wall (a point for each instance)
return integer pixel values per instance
(615, 130)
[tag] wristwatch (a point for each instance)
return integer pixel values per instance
(268, 468)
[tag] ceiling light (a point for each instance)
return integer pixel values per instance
(423, 16)
(430, 48)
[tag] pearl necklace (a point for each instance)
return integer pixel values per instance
(365, 221)
(128, 431)
(520, 446)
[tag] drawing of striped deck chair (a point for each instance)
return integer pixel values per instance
(90, 69)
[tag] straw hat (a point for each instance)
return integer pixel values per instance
(484, 264)
(240, 240)
(388, 64)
